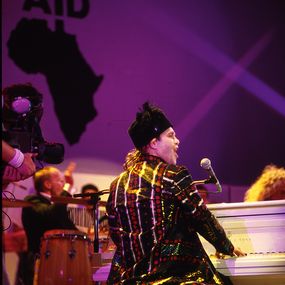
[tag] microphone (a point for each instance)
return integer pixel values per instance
(206, 164)
(96, 194)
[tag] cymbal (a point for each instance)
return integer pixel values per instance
(9, 203)
(70, 200)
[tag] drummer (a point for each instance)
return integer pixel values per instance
(89, 189)
(44, 216)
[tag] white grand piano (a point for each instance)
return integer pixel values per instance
(258, 228)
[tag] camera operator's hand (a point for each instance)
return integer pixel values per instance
(28, 167)
(10, 174)
(23, 163)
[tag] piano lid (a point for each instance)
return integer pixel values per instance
(248, 208)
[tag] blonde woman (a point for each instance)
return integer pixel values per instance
(270, 185)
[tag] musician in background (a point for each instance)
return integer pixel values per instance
(89, 189)
(43, 216)
(154, 213)
(106, 244)
(270, 185)
(83, 216)
(103, 223)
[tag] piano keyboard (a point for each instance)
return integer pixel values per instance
(252, 264)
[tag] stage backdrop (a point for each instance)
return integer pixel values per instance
(215, 67)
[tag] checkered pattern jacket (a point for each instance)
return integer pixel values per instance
(154, 216)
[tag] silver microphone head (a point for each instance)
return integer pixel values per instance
(205, 163)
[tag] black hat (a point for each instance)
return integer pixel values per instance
(150, 122)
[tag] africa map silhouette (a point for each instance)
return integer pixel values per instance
(34, 48)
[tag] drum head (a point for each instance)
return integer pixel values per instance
(63, 233)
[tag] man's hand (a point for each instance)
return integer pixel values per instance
(22, 162)
(68, 175)
(10, 174)
(28, 167)
(237, 252)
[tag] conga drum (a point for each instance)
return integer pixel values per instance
(64, 258)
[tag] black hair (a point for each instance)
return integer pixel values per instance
(89, 186)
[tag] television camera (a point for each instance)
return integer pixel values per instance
(22, 112)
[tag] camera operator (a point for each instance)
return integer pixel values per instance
(23, 146)
(16, 165)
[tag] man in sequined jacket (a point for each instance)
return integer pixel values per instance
(155, 214)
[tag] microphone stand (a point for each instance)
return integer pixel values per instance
(94, 199)
(204, 181)
(210, 180)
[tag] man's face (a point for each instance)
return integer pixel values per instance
(55, 183)
(167, 146)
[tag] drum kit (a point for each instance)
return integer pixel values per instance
(65, 255)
